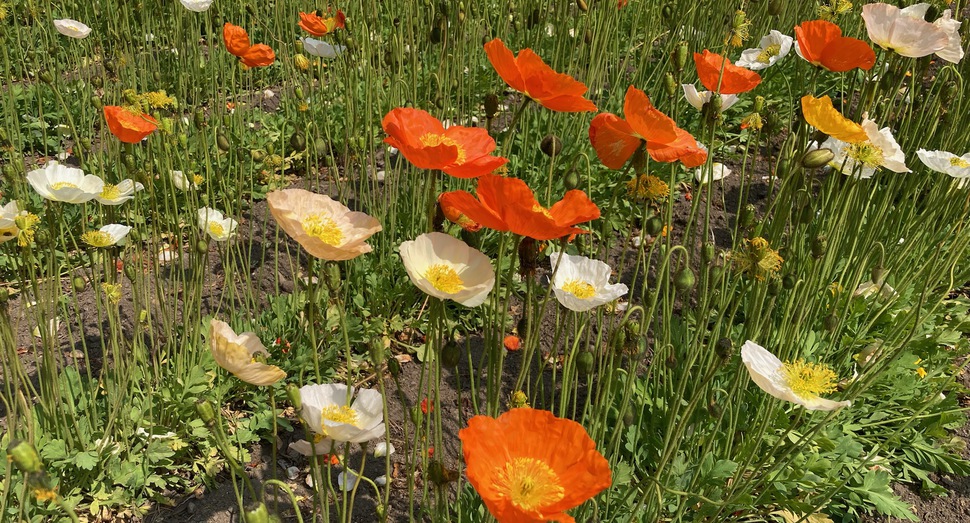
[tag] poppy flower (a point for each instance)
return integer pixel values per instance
(107, 236)
(212, 222)
(72, 28)
(448, 269)
(772, 48)
(8, 221)
(798, 381)
(719, 75)
(331, 411)
(60, 183)
(878, 150)
(529, 465)
(718, 171)
(327, 229)
(582, 283)
(902, 30)
(822, 115)
(507, 204)
(821, 43)
(319, 26)
(237, 43)
(112, 194)
(698, 99)
(947, 163)
(127, 125)
(235, 353)
(462, 152)
(529, 75)
(615, 139)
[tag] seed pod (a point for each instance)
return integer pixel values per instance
(258, 513)
(774, 7)
(199, 118)
(293, 394)
(724, 348)
(708, 251)
(584, 363)
(297, 142)
(681, 52)
(222, 142)
(819, 245)
(78, 283)
(747, 215)
(206, 411)
(670, 84)
(450, 354)
(831, 322)
(582, 5)
(654, 225)
(684, 279)
(97, 102)
(394, 367)
(551, 145)
(788, 282)
(817, 158)
(97, 82)
(571, 181)
(47, 77)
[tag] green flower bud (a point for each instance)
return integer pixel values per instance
(708, 251)
(670, 84)
(571, 181)
(206, 411)
(78, 283)
(222, 142)
(293, 394)
(831, 322)
(681, 53)
(684, 279)
(724, 348)
(25, 457)
(819, 245)
(297, 142)
(491, 105)
(654, 226)
(259, 513)
(584, 363)
(817, 158)
(450, 354)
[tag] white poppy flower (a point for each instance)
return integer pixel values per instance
(60, 183)
(717, 171)
(331, 411)
(447, 268)
(236, 353)
(903, 31)
(798, 382)
(107, 236)
(582, 283)
(321, 49)
(72, 28)
(698, 99)
(347, 480)
(383, 449)
(868, 288)
(946, 162)
(772, 48)
(880, 150)
(118, 194)
(319, 447)
(196, 6)
(167, 254)
(183, 182)
(953, 52)
(8, 221)
(218, 227)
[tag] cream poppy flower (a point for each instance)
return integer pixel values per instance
(72, 28)
(582, 283)
(447, 268)
(8, 221)
(325, 228)
(903, 31)
(717, 171)
(107, 236)
(321, 49)
(236, 353)
(60, 183)
(184, 183)
(880, 150)
(383, 449)
(331, 411)
(698, 99)
(118, 194)
(946, 163)
(868, 288)
(772, 48)
(798, 382)
(196, 6)
(317, 448)
(218, 227)
(953, 52)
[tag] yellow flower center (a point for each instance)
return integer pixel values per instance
(434, 140)
(956, 161)
(528, 483)
(26, 222)
(809, 380)
(342, 414)
(63, 185)
(865, 153)
(42, 494)
(579, 289)
(543, 210)
(99, 239)
(112, 291)
(444, 278)
(158, 99)
(197, 179)
(648, 187)
(518, 399)
(216, 228)
(110, 192)
(768, 53)
(324, 228)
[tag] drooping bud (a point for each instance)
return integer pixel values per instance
(831, 322)
(684, 279)
(222, 142)
(78, 283)
(724, 348)
(551, 145)
(257, 514)
(450, 354)
(877, 274)
(293, 394)
(528, 257)
(491, 105)
(819, 245)
(206, 411)
(584, 363)
(817, 158)
(571, 181)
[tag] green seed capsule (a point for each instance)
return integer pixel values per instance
(584, 363)
(684, 279)
(572, 180)
(78, 283)
(708, 251)
(206, 411)
(25, 457)
(222, 142)
(747, 215)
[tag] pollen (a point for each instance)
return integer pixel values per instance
(866, 153)
(956, 161)
(434, 140)
(323, 228)
(216, 228)
(579, 289)
(63, 185)
(545, 212)
(809, 380)
(768, 53)
(444, 278)
(198, 179)
(158, 100)
(528, 483)
(758, 259)
(98, 239)
(110, 192)
(342, 414)
(648, 187)
(27, 223)
(112, 291)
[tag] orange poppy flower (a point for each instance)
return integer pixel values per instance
(318, 26)
(615, 139)
(821, 43)
(507, 204)
(462, 152)
(237, 43)
(454, 215)
(129, 126)
(528, 465)
(529, 75)
(822, 115)
(719, 75)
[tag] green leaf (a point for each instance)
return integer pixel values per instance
(86, 460)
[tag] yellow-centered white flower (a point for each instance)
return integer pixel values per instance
(447, 268)
(8, 221)
(698, 99)
(72, 28)
(118, 194)
(903, 30)
(331, 411)
(773, 47)
(321, 49)
(60, 183)
(880, 150)
(217, 226)
(799, 382)
(183, 183)
(582, 283)
(947, 163)
(237, 353)
(107, 236)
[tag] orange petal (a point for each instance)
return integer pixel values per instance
(612, 139)
(822, 115)
(259, 55)
(236, 38)
(462, 203)
(648, 122)
(684, 148)
(575, 207)
(127, 126)
(814, 36)
(504, 63)
(845, 54)
(720, 75)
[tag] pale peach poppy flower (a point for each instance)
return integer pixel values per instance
(235, 353)
(327, 229)
(903, 31)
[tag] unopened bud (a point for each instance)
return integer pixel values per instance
(819, 245)
(684, 279)
(817, 158)
(831, 322)
(450, 354)
(681, 52)
(491, 105)
(25, 457)
(724, 348)
(877, 274)
(584, 363)
(257, 514)
(670, 84)
(551, 145)
(582, 5)
(332, 276)
(206, 411)
(293, 394)
(759, 104)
